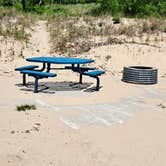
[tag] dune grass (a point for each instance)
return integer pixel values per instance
(76, 35)
(14, 24)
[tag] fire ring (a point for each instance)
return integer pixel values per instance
(140, 75)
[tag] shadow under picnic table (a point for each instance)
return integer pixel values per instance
(52, 87)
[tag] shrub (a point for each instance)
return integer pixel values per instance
(162, 9)
(147, 10)
(139, 8)
(110, 6)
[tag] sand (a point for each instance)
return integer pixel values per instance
(122, 124)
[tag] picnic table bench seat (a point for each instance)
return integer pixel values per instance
(88, 71)
(30, 67)
(95, 74)
(38, 75)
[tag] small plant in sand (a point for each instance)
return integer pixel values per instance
(25, 107)
(162, 105)
(145, 27)
(116, 19)
(147, 39)
(108, 57)
(156, 39)
(133, 40)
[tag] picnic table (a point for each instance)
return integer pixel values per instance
(76, 65)
(58, 60)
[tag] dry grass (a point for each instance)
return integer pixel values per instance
(14, 25)
(67, 36)
(15, 30)
(77, 35)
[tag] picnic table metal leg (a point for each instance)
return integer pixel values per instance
(24, 79)
(36, 85)
(43, 68)
(80, 81)
(72, 65)
(48, 67)
(78, 70)
(98, 83)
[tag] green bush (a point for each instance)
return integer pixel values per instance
(139, 8)
(6, 2)
(110, 6)
(147, 10)
(162, 9)
(18, 6)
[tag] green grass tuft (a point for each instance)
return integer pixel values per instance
(25, 107)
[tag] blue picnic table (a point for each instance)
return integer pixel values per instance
(44, 72)
(60, 60)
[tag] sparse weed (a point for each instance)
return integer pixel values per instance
(156, 39)
(147, 39)
(108, 57)
(25, 107)
(153, 25)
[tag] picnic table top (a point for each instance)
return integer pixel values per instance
(60, 60)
